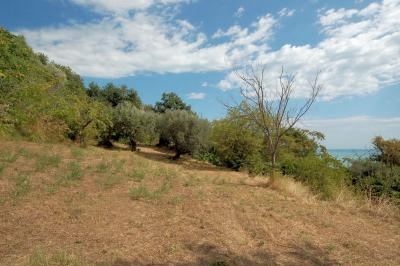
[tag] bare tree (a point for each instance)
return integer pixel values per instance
(268, 108)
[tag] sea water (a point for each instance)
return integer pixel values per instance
(350, 153)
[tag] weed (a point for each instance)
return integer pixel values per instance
(25, 153)
(139, 192)
(21, 188)
(77, 153)
(219, 181)
(118, 165)
(8, 156)
(114, 165)
(137, 174)
(74, 171)
(172, 249)
(175, 200)
(330, 247)
(2, 167)
(109, 181)
(190, 181)
(61, 257)
(45, 161)
(102, 167)
(201, 195)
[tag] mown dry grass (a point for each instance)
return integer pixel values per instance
(113, 207)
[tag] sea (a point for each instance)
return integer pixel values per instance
(350, 153)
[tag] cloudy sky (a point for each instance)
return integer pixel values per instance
(190, 47)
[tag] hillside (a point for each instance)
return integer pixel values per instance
(65, 205)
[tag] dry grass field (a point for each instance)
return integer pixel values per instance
(65, 205)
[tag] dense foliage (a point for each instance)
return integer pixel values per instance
(41, 100)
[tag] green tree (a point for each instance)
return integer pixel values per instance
(114, 95)
(184, 131)
(235, 142)
(170, 101)
(133, 124)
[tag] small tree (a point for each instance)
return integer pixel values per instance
(184, 131)
(269, 108)
(133, 124)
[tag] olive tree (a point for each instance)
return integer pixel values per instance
(184, 131)
(133, 124)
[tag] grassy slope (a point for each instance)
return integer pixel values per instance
(100, 207)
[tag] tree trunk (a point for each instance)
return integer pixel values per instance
(273, 164)
(177, 156)
(133, 145)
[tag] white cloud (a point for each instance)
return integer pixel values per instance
(284, 12)
(240, 12)
(145, 41)
(354, 132)
(123, 6)
(205, 84)
(359, 55)
(196, 95)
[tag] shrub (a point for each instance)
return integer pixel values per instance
(236, 145)
(377, 179)
(324, 174)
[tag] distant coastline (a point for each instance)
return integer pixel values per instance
(350, 153)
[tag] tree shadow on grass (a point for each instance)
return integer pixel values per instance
(165, 155)
(210, 255)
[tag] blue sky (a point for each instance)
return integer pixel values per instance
(190, 47)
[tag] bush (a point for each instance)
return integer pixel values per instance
(237, 146)
(184, 131)
(375, 178)
(324, 174)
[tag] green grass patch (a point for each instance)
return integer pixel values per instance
(102, 167)
(77, 152)
(74, 173)
(7, 156)
(25, 153)
(109, 181)
(142, 192)
(21, 188)
(59, 258)
(45, 161)
(137, 174)
(114, 166)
